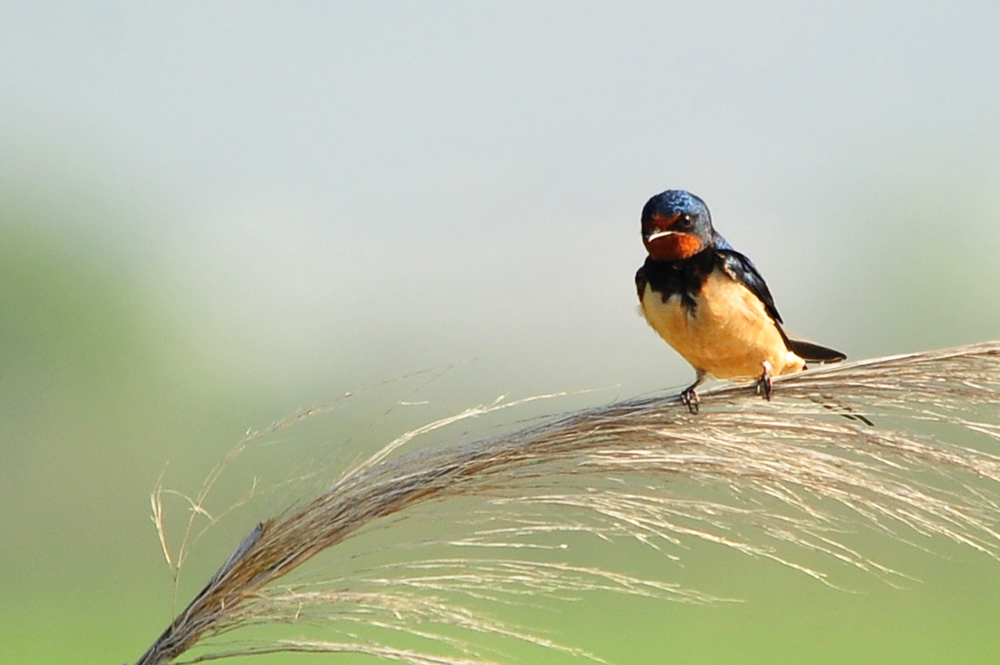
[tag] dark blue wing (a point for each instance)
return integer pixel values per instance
(742, 269)
(745, 272)
(640, 281)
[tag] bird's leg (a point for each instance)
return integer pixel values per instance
(689, 397)
(764, 382)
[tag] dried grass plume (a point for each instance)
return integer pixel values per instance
(840, 447)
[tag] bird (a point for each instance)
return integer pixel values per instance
(710, 303)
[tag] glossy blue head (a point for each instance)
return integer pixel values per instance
(676, 225)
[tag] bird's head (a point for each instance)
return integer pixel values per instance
(676, 225)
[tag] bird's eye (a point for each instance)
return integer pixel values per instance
(685, 221)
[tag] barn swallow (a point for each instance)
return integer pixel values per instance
(709, 301)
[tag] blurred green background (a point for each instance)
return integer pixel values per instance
(212, 214)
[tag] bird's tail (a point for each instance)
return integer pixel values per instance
(813, 353)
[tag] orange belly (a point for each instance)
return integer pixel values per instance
(729, 335)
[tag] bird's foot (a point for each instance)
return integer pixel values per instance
(689, 398)
(764, 382)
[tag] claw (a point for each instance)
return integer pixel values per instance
(764, 382)
(689, 397)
